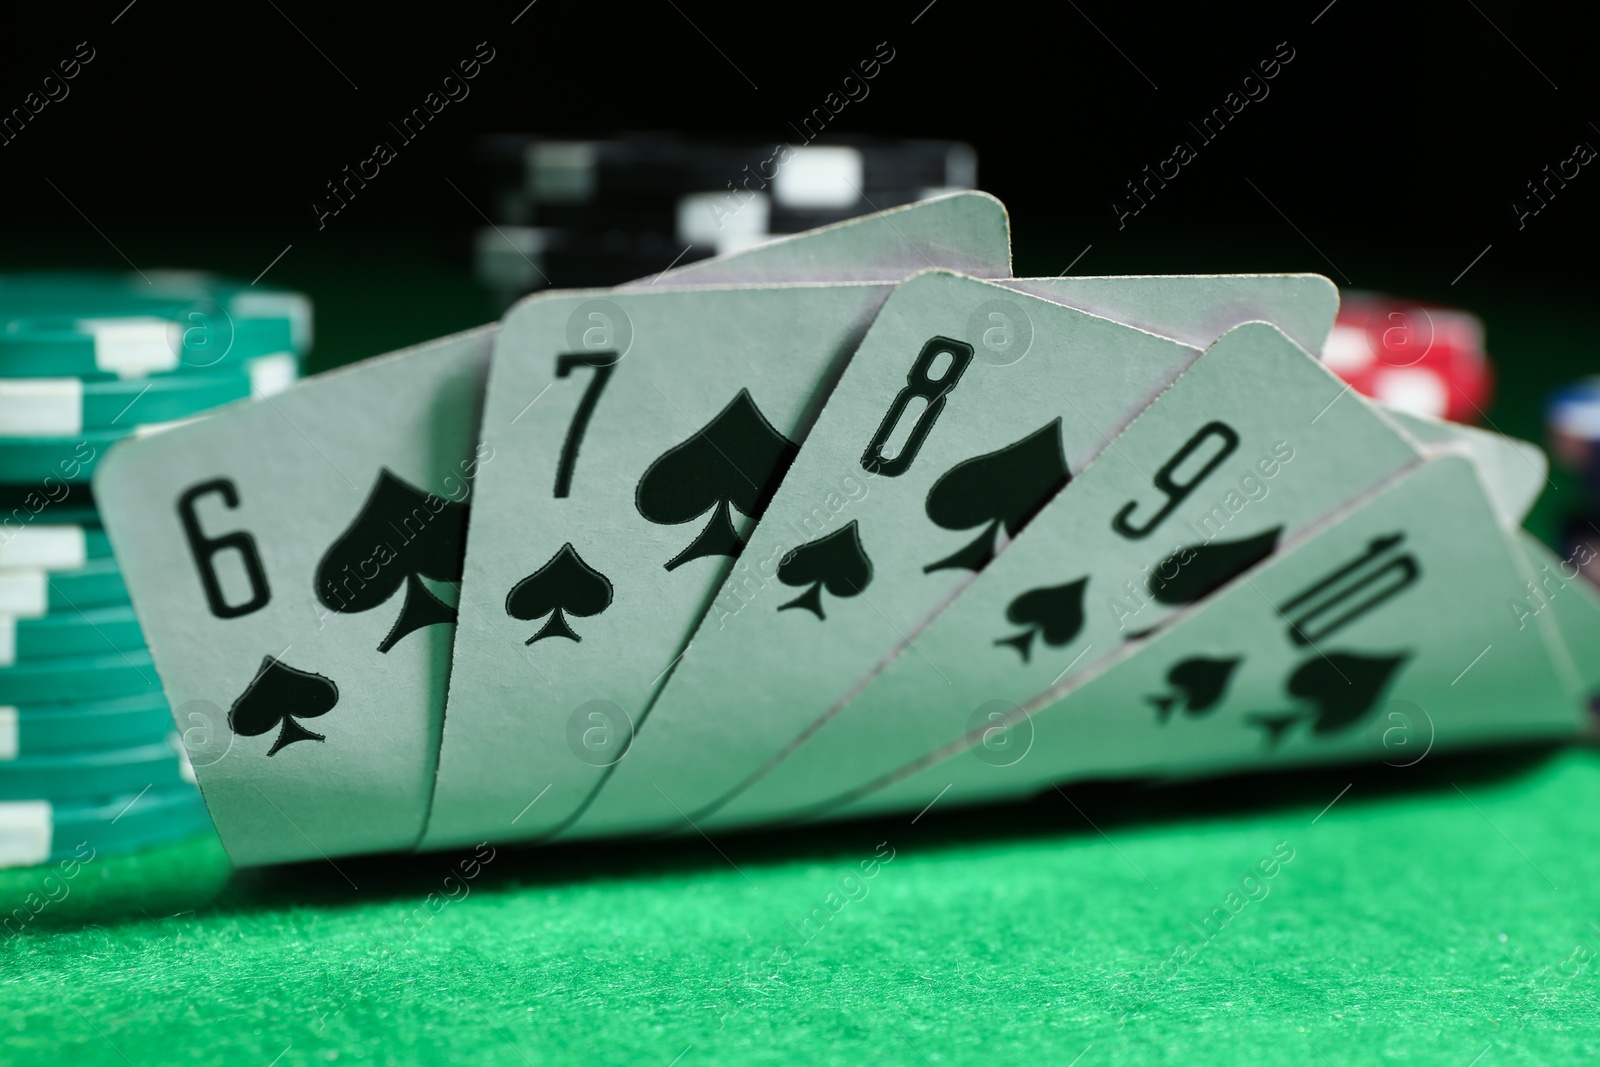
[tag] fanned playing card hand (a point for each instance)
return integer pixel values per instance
(837, 525)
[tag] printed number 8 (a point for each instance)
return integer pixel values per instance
(918, 384)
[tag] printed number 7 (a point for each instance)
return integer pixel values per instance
(603, 363)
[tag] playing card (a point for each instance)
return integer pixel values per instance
(1196, 309)
(1557, 588)
(1384, 636)
(966, 231)
(925, 458)
(1243, 450)
(293, 561)
(614, 508)
(1514, 472)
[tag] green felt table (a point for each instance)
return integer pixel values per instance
(1442, 913)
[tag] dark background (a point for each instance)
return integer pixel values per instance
(1399, 131)
(1387, 155)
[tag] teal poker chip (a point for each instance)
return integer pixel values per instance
(40, 831)
(122, 722)
(80, 776)
(129, 326)
(75, 632)
(66, 407)
(96, 584)
(74, 679)
(31, 460)
(31, 592)
(52, 546)
(48, 503)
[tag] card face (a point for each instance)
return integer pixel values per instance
(1198, 309)
(967, 232)
(293, 563)
(630, 464)
(1514, 472)
(1238, 457)
(926, 457)
(1383, 637)
(1558, 588)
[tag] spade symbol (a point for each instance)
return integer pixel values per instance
(736, 459)
(564, 586)
(1343, 688)
(1200, 682)
(400, 536)
(1056, 612)
(1002, 488)
(835, 561)
(1211, 566)
(280, 693)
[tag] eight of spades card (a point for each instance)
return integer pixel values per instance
(293, 562)
(1244, 452)
(1394, 610)
(960, 446)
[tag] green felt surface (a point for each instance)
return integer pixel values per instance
(1445, 913)
(1431, 915)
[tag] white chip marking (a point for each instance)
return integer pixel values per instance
(1420, 392)
(24, 594)
(8, 733)
(51, 548)
(24, 832)
(41, 407)
(271, 375)
(135, 346)
(819, 177)
(561, 172)
(1348, 350)
(707, 218)
(8, 640)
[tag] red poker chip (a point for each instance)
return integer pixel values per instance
(1419, 358)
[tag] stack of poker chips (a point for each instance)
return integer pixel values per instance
(1572, 420)
(579, 214)
(89, 754)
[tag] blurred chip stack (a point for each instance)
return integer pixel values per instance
(1572, 420)
(1419, 358)
(88, 751)
(593, 213)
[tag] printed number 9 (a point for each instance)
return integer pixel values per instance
(1175, 492)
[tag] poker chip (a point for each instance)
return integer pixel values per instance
(99, 326)
(47, 503)
(594, 213)
(39, 831)
(1418, 358)
(1572, 420)
(78, 678)
(121, 722)
(86, 775)
(29, 592)
(69, 459)
(62, 546)
(74, 632)
(61, 407)
(88, 360)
